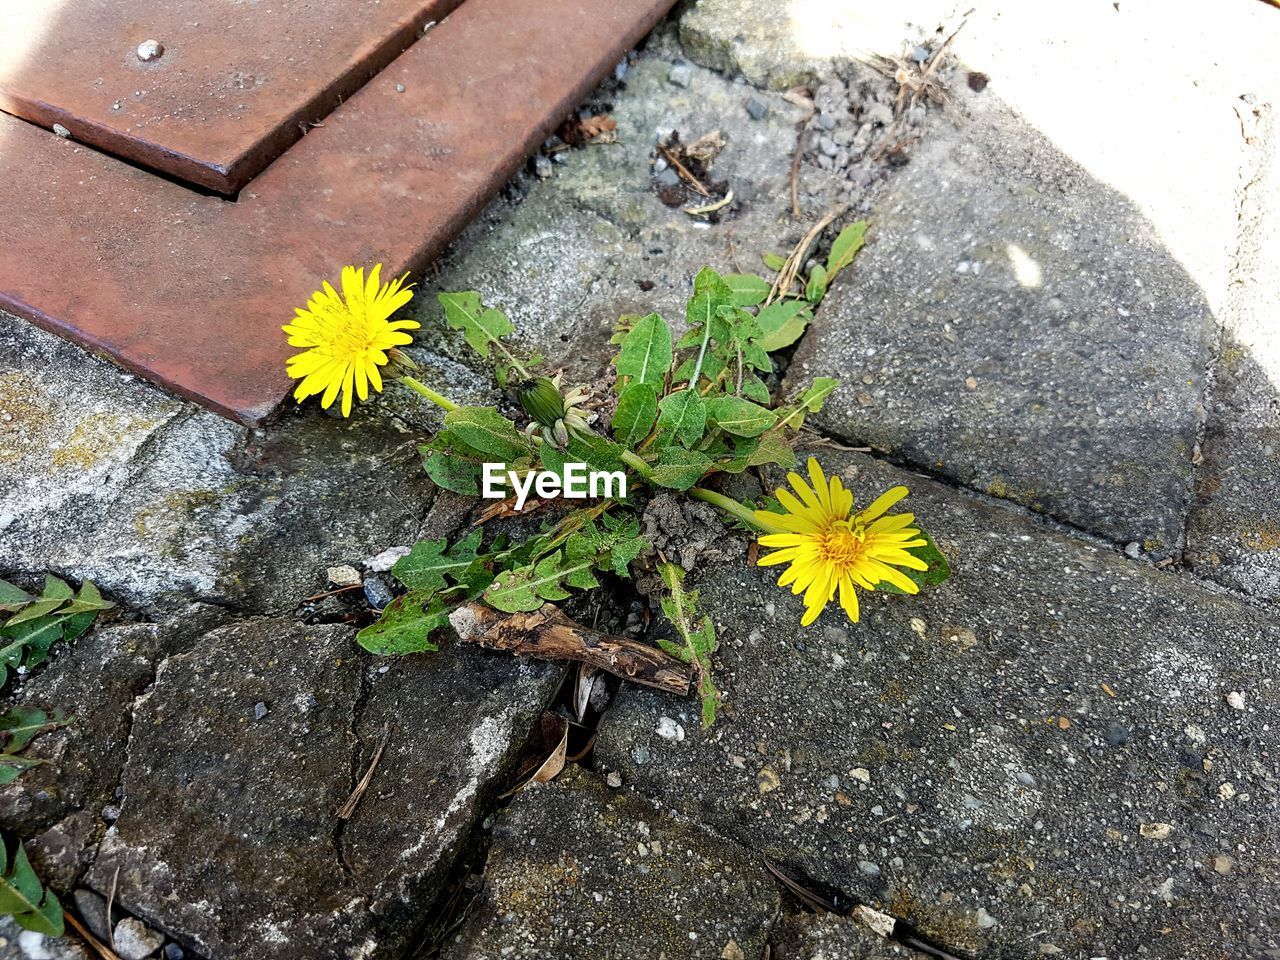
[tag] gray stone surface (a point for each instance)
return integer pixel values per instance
(594, 242)
(104, 477)
(580, 871)
(227, 838)
(1017, 326)
(981, 760)
(94, 680)
(807, 936)
(19, 944)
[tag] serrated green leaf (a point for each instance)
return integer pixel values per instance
(646, 352)
(525, 588)
(810, 401)
(20, 725)
(431, 564)
(678, 468)
(487, 431)
(781, 324)
(699, 636)
(13, 597)
(747, 289)
(742, 418)
(816, 288)
(845, 248)
(35, 611)
(88, 600)
(683, 415)
(24, 898)
(451, 464)
(406, 625)
(636, 413)
(55, 589)
(482, 326)
(773, 448)
(597, 452)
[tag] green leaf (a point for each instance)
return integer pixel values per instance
(452, 465)
(488, 432)
(845, 248)
(753, 388)
(88, 600)
(773, 448)
(816, 289)
(405, 626)
(939, 570)
(699, 636)
(23, 897)
(431, 564)
(20, 725)
(740, 417)
(774, 261)
(482, 326)
(35, 611)
(55, 589)
(810, 401)
(684, 415)
(710, 293)
(782, 323)
(525, 588)
(597, 452)
(636, 413)
(646, 351)
(678, 468)
(11, 597)
(747, 289)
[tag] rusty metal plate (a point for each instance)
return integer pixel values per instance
(224, 90)
(190, 290)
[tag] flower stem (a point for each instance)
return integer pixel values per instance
(733, 508)
(633, 461)
(444, 403)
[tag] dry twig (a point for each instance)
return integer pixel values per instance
(795, 260)
(348, 809)
(100, 948)
(683, 171)
(548, 634)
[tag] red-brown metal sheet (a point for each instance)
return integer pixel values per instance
(226, 88)
(191, 290)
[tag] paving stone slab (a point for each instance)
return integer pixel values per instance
(1016, 325)
(106, 478)
(578, 870)
(981, 760)
(243, 749)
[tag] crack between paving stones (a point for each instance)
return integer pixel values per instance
(359, 759)
(1179, 568)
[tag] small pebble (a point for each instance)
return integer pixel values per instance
(32, 946)
(978, 81)
(542, 167)
(614, 779)
(868, 868)
(668, 729)
(134, 940)
(1235, 700)
(92, 908)
(1133, 550)
(640, 755)
(828, 146)
(260, 710)
(920, 54)
(1117, 734)
(111, 812)
(6, 520)
(861, 774)
(377, 593)
(149, 50)
(681, 74)
(1222, 863)
(757, 109)
(985, 920)
(386, 559)
(61, 131)
(344, 576)
(399, 88)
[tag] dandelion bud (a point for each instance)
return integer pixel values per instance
(541, 400)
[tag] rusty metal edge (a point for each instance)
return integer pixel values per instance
(282, 188)
(229, 176)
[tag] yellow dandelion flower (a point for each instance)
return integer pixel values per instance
(347, 337)
(830, 548)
